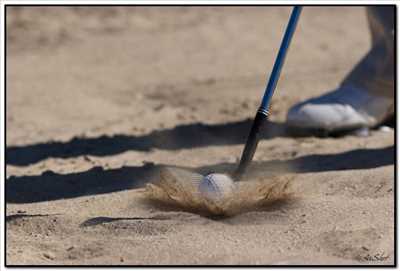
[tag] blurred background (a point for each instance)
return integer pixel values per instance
(95, 70)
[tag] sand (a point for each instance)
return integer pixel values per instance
(98, 99)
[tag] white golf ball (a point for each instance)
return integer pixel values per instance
(215, 187)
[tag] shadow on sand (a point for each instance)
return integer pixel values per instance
(180, 137)
(192, 135)
(53, 186)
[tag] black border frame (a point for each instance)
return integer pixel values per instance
(196, 5)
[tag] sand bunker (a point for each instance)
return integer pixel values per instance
(76, 167)
(180, 187)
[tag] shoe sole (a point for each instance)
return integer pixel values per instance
(318, 132)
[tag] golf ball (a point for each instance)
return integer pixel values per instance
(216, 187)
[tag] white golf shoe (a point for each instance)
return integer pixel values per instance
(343, 109)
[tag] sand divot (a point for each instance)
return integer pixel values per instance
(180, 187)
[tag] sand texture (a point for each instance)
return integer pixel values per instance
(98, 100)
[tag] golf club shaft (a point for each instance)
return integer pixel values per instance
(262, 113)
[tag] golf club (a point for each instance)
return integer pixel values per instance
(263, 111)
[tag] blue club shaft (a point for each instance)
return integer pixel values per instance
(280, 59)
(262, 113)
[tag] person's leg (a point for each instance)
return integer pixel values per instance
(375, 72)
(365, 98)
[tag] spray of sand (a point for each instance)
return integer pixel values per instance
(180, 187)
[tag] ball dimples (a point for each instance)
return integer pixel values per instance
(216, 186)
